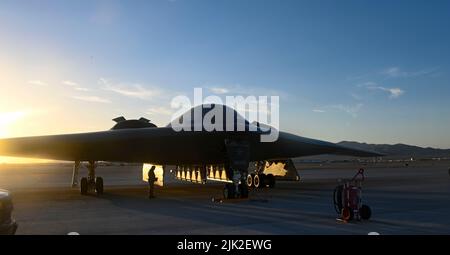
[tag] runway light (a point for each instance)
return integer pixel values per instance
(73, 234)
(373, 234)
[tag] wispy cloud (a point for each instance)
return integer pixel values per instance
(37, 82)
(70, 83)
(159, 110)
(238, 89)
(353, 110)
(134, 90)
(75, 85)
(219, 90)
(356, 96)
(393, 72)
(92, 99)
(393, 92)
(82, 89)
(397, 72)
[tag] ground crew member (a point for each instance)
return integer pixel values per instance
(151, 182)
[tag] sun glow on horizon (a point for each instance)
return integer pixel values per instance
(7, 121)
(17, 160)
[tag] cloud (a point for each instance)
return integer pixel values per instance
(37, 82)
(367, 84)
(159, 110)
(219, 90)
(393, 92)
(356, 96)
(352, 110)
(75, 85)
(70, 83)
(349, 109)
(393, 72)
(92, 99)
(238, 89)
(82, 89)
(396, 72)
(134, 90)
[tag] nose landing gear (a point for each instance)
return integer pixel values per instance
(91, 183)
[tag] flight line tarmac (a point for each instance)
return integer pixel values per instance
(413, 199)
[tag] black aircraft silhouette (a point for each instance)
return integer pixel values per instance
(197, 152)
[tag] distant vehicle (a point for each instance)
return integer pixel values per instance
(197, 155)
(8, 225)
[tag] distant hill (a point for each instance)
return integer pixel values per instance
(399, 150)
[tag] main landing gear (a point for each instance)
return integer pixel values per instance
(91, 183)
(254, 181)
(238, 152)
(260, 180)
(229, 191)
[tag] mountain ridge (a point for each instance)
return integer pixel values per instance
(398, 149)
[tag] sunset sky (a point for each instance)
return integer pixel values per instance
(368, 71)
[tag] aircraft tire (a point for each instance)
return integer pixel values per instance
(243, 189)
(337, 198)
(99, 185)
(83, 186)
(250, 180)
(365, 212)
(271, 181)
(262, 180)
(228, 191)
(256, 181)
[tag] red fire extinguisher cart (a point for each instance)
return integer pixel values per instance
(348, 199)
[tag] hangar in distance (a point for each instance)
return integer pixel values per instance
(197, 156)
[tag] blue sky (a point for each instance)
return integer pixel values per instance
(370, 71)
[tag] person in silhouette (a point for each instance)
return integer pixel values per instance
(151, 182)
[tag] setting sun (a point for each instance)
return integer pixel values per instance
(7, 120)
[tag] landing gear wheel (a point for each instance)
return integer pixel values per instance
(83, 186)
(243, 189)
(250, 180)
(365, 212)
(228, 191)
(271, 180)
(256, 181)
(262, 180)
(99, 185)
(347, 214)
(337, 198)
